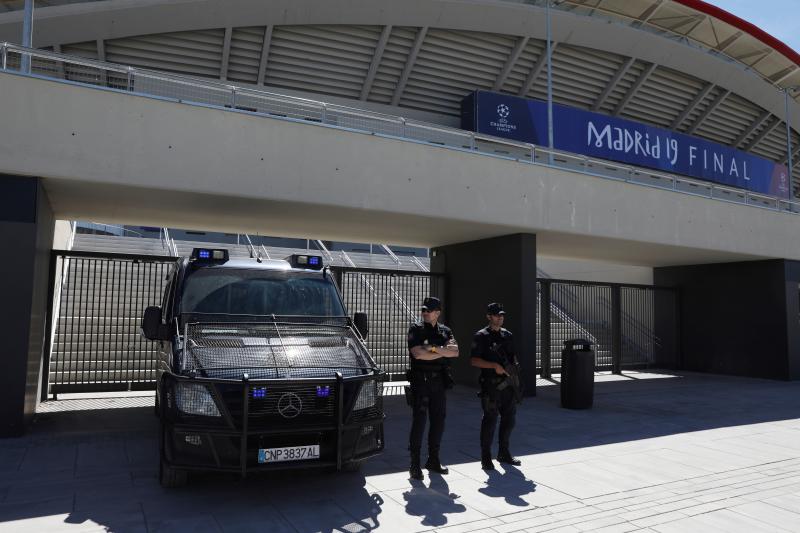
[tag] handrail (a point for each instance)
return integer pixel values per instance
(73, 226)
(324, 249)
(168, 242)
(100, 225)
(346, 258)
(419, 264)
(402, 303)
(390, 253)
(187, 90)
(266, 253)
(250, 248)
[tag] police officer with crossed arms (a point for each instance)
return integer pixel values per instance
(492, 352)
(431, 346)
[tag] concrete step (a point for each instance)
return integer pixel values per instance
(102, 376)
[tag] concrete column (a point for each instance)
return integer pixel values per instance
(501, 269)
(26, 236)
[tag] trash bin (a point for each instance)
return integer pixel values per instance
(577, 374)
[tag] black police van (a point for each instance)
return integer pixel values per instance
(260, 368)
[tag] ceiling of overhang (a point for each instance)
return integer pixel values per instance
(743, 43)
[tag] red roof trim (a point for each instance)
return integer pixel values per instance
(747, 27)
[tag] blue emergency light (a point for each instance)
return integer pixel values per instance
(311, 262)
(209, 255)
(259, 393)
(323, 391)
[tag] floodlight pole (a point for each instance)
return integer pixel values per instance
(27, 35)
(549, 83)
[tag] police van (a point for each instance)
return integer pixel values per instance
(261, 368)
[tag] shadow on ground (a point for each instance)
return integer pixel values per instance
(98, 468)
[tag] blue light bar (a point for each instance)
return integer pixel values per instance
(312, 262)
(323, 391)
(210, 255)
(259, 392)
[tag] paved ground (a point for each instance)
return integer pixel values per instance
(683, 453)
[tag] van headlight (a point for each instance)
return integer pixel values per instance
(368, 395)
(195, 399)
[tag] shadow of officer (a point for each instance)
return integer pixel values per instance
(511, 485)
(432, 503)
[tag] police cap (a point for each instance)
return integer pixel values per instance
(495, 308)
(431, 304)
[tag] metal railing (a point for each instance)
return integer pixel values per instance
(111, 229)
(94, 336)
(208, 93)
(251, 250)
(391, 254)
(419, 264)
(389, 297)
(168, 243)
(602, 313)
(324, 249)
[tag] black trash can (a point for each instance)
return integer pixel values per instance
(577, 374)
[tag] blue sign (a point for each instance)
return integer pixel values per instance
(626, 141)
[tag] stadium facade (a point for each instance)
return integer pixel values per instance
(682, 68)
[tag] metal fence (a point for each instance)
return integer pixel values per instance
(630, 326)
(97, 301)
(195, 91)
(392, 299)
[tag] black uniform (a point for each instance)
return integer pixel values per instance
(429, 380)
(496, 347)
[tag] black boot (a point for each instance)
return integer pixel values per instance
(486, 461)
(505, 457)
(433, 465)
(415, 472)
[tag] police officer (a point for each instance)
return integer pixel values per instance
(492, 351)
(431, 346)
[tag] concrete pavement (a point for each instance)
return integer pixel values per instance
(658, 452)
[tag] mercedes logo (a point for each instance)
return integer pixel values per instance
(289, 405)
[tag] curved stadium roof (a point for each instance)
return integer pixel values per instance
(679, 64)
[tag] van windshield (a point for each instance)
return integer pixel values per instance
(260, 292)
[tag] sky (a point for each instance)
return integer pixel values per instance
(779, 18)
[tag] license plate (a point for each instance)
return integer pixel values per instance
(290, 453)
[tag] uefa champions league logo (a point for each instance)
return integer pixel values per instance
(502, 125)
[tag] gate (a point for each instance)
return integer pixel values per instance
(631, 326)
(96, 304)
(392, 299)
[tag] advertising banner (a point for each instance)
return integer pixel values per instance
(626, 141)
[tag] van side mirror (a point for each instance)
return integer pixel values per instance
(152, 328)
(361, 322)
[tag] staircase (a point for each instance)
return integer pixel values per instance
(97, 338)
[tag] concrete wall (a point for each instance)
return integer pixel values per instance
(587, 270)
(26, 229)
(127, 159)
(738, 318)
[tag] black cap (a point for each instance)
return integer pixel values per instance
(495, 309)
(431, 304)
